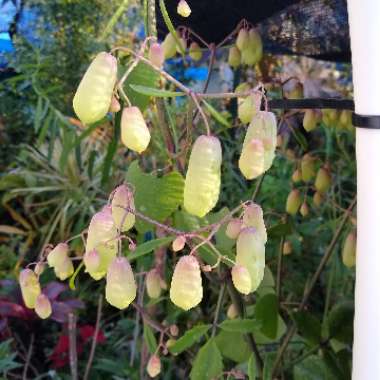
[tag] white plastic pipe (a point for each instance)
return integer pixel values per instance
(364, 20)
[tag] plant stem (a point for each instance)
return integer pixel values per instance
(28, 357)
(217, 309)
(292, 330)
(279, 267)
(73, 346)
(94, 338)
(239, 305)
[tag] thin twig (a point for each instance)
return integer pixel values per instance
(28, 357)
(73, 346)
(258, 187)
(218, 308)
(292, 330)
(94, 338)
(239, 305)
(279, 267)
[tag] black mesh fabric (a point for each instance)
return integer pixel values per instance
(316, 28)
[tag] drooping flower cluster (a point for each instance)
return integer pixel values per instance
(248, 48)
(251, 236)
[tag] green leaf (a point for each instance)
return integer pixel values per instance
(266, 312)
(149, 246)
(252, 371)
(156, 92)
(280, 230)
(233, 346)
(189, 338)
(216, 114)
(155, 197)
(240, 325)
(208, 362)
(312, 368)
(340, 322)
(141, 75)
(150, 339)
(268, 365)
(308, 326)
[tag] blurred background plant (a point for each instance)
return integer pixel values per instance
(56, 173)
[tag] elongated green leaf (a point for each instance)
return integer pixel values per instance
(156, 92)
(340, 322)
(189, 338)
(308, 326)
(170, 26)
(150, 339)
(216, 114)
(149, 246)
(208, 362)
(252, 368)
(268, 365)
(240, 325)
(266, 312)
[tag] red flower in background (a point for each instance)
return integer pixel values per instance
(60, 355)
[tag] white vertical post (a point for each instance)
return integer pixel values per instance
(364, 20)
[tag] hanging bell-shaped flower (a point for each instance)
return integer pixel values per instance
(308, 167)
(349, 250)
(43, 306)
(30, 287)
(263, 127)
(154, 366)
(233, 228)
(121, 285)
(293, 202)
(169, 46)
(242, 39)
(195, 51)
(153, 284)
(178, 243)
(202, 184)
(254, 217)
(91, 260)
(322, 180)
(93, 97)
(156, 54)
(241, 279)
(65, 269)
(122, 200)
(57, 255)
(183, 8)
(101, 236)
(252, 159)
(186, 287)
(250, 253)
(135, 134)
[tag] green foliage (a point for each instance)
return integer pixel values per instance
(208, 362)
(189, 339)
(56, 173)
(155, 197)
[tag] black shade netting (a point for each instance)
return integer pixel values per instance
(315, 28)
